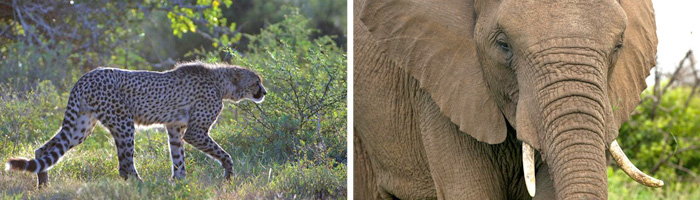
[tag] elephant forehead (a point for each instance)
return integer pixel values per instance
(528, 22)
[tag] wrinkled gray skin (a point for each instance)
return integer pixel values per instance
(546, 71)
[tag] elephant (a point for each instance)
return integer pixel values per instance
(496, 99)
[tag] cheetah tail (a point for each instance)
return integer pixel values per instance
(21, 164)
(33, 165)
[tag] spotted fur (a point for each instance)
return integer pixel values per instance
(187, 100)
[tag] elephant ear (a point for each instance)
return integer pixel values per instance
(433, 43)
(637, 57)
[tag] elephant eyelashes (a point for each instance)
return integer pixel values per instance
(503, 45)
(615, 52)
(506, 49)
(617, 47)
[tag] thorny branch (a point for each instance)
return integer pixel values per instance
(674, 78)
(260, 119)
(686, 75)
(686, 170)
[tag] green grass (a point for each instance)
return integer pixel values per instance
(89, 171)
(620, 186)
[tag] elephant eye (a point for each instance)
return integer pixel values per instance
(618, 46)
(504, 46)
(506, 50)
(502, 41)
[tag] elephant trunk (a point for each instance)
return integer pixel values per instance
(577, 164)
(575, 148)
(568, 110)
(570, 105)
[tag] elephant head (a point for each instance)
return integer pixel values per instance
(564, 74)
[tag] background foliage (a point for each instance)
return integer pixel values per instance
(291, 146)
(662, 138)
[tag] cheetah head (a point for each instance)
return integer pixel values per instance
(249, 86)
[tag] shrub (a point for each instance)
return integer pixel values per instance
(304, 112)
(663, 139)
(31, 116)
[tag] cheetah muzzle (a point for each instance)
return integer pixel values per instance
(186, 99)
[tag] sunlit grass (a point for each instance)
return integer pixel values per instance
(89, 171)
(620, 186)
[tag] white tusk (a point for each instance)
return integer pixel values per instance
(529, 168)
(630, 169)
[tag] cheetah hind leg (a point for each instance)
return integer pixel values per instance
(76, 127)
(121, 126)
(85, 124)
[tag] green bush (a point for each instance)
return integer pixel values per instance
(22, 66)
(326, 16)
(32, 116)
(307, 179)
(664, 141)
(304, 112)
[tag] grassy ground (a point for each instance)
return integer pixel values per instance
(620, 186)
(89, 171)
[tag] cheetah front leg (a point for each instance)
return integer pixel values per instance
(177, 150)
(199, 138)
(202, 117)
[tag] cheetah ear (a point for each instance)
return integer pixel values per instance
(232, 76)
(236, 77)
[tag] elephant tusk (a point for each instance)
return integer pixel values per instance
(631, 170)
(529, 168)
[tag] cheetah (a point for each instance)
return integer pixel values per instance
(186, 99)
